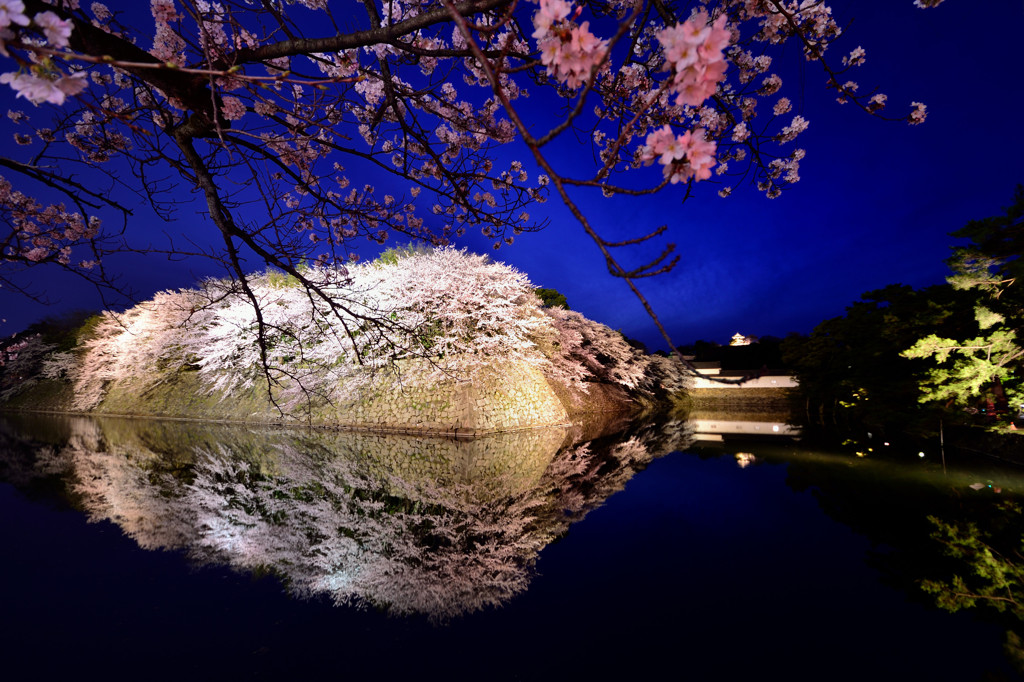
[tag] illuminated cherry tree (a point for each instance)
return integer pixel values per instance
(306, 129)
(430, 316)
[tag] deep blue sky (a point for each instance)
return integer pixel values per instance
(875, 205)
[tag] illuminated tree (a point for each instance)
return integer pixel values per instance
(442, 313)
(306, 129)
(993, 359)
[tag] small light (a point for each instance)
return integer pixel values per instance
(885, 444)
(920, 454)
(775, 428)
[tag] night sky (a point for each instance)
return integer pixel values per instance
(875, 205)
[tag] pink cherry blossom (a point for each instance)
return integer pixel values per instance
(12, 12)
(856, 58)
(685, 156)
(57, 30)
(694, 53)
(740, 132)
(232, 108)
(550, 12)
(789, 133)
(38, 89)
(700, 155)
(679, 51)
(656, 142)
(571, 54)
(101, 12)
(918, 115)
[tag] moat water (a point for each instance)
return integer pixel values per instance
(138, 549)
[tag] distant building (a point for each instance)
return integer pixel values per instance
(762, 378)
(741, 340)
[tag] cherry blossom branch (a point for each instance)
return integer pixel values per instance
(613, 266)
(236, 71)
(70, 188)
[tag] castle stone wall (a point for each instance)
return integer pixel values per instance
(500, 397)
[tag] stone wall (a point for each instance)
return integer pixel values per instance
(499, 397)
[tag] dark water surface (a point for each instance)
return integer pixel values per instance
(162, 550)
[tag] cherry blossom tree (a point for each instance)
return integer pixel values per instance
(305, 129)
(19, 363)
(445, 313)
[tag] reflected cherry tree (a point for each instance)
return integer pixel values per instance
(409, 525)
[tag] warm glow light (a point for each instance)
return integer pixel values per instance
(740, 340)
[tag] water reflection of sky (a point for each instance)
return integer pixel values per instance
(697, 569)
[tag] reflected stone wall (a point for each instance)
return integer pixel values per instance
(409, 524)
(512, 461)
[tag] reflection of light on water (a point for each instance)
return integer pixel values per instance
(745, 459)
(713, 429)
(963, 475)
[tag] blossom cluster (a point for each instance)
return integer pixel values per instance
(684, 156)
(694, 54)
(43, 81)
(167, 44)
(919, 113)
(797, 126)
(569, 51)
(20, 361)
(812, 19)
(42, 233)
(589, 351)
(42, 85)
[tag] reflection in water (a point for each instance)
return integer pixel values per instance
(745, 459)
(412, 525)
(742, 420)
(946, 534)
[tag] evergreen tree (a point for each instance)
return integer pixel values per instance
(984, 365)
